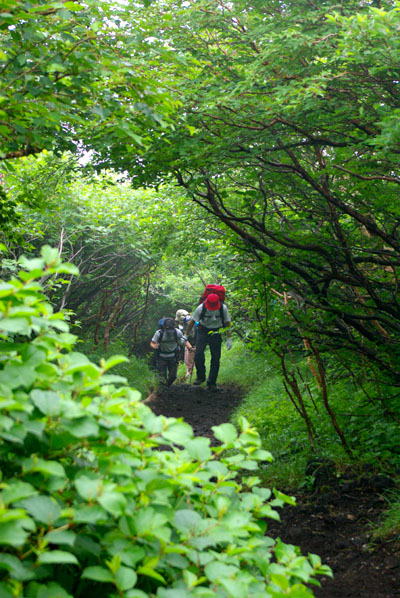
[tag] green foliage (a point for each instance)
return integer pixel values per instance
(127, 242)
(288, 134)
(388, 527)
(372, 433)
(8, 216)
(136, 370)
(74, 74)
(89, 503)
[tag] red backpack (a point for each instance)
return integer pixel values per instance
(217, 289)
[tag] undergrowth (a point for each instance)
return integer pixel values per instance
(137, 371)
(90, 502)
(389, 525)
(374, 438)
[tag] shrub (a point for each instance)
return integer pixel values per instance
(99, 497)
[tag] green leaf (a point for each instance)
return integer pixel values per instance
(47, 468)
(15, 375)
(178, 593)
(132, 555)
(52, 590)
(113, 501)
(73, 6)
(78, 362)
(113, 361)
(98, 574)
(148, 521)
(47, 401)
(57, 556)
(16, 490)
(217, 570)
(178, 432)
(61, 537)
(262, 455)
(225, 433)
(66, 268)
(32, 264)
(49, 254)
(92, 514)
(20, 570)
(83, 427)
(186, 520)
(135, 594)
(14, 533)
(16, 434)
(148, 572)
(6, 289)
(43, 508)
(199, 448)
(6, 590)
(89, 488)
(125, 578)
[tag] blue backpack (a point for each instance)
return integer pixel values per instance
(166, 325)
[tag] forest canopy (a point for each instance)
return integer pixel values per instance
(289, 135)
(280, 120)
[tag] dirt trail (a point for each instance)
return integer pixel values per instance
(198, 406)
(331, 522)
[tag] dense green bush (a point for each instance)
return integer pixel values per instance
(137, 371)
(92, 503)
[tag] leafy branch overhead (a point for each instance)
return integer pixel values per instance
(75, 73)
(289, 136)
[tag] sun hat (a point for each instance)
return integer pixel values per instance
(212, 302)
(180, 315)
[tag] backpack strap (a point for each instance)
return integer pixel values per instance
(160, 341)
(221, 313)
(203, 312)
(161, 337)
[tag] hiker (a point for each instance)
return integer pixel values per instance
(189, 353)
(167, 341)
(212, 315)
(179, 318)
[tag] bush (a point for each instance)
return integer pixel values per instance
(91, 503)
(137, 371)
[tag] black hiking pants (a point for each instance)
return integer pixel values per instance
(205, 337)
(167, 365)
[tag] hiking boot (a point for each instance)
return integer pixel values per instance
(212, 388)
(198, 382)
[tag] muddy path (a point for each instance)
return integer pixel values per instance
(333, 520)
(198, 406)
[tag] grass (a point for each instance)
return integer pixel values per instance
(374, 439)
(388, 528)
(137, 371)
(266, 407)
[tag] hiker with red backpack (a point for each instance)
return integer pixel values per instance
(167, 341)
(212, 316)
